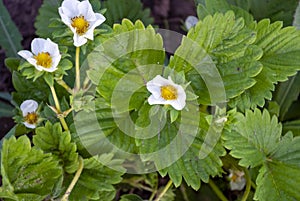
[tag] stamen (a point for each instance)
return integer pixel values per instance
(80, 24)
(168, 92)
(43, 59)
(31, 118)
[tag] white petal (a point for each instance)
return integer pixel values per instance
(29, 125)
(25, 54)
(85, 9)
(67, 20)
(55, 61)
(28, 106)
(98, 20)
(190, 22)
(70, 8)
(79, 40)
(51, 48)
(37, 45)
(154, 101)
(32, 61)
(89, 34)
(154, 89)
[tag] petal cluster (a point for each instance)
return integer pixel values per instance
(81, 19)
(190, 22)
(237, 180)
(44, 55)
(166, 92)
(29, 112)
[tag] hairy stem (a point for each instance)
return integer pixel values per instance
(217, 191)
(169, 184)
(62, 83)
(248, 185)
(77, 86)
(74, 181)
(57, 105)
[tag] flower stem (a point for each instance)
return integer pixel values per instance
(57, 105)
(248, 184)
(62, 83)
(217, 191)
(164, 190)
(77, 86)
(74, 181)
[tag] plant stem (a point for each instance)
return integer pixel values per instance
(77, 86)
(164, 190)
(57, 105)
(62, 83)
(217, 191)
(248, 185)
(74, 181)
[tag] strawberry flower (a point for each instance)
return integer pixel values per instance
(81, 19)
(166, 92)
(45, 54)
(29, 112)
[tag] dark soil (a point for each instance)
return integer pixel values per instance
(168, 14)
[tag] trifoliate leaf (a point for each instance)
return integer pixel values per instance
(27, 172)
(280, 60)
(117, 10)
(219, 53)
(97, 179)
(177, 151)
(253, 137)
(256, 140)
(51, 139)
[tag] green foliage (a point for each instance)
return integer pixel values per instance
(47, 13)
(276, 10)
(51, 139)
(27, 173)
(97, 179)
(256, 140)
(229, 44)
(117, 10)
(280, 60)
(6, 109)
(130, 197)
(10, 39)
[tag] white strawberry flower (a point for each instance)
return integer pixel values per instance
(81, 19)
(45, 54)
(190, 22)
(166, 92)
(29, 112)
(237, 180)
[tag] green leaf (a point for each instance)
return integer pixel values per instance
(211, 7)
(279, 178)
(27, 172)
(293, 126)
(51, 139)
(275, 10)
(256, 140)
(280, 60)
(12, 64)
(286, 93)
(6, 109)
(253, 137)
(10, 39)
(26, 89)
(7, 194)
(218, 59)
(133, 10)
(131, 197)
(97, 179)
(48, 11)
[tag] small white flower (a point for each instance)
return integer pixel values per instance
(190, 22)
(29, 112)
(166, 92)
(81, 19)
(237, 180)
(45, 54)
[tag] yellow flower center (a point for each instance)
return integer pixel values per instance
(80, 24)
(168, 92)
(43, 59)
(31, 118)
